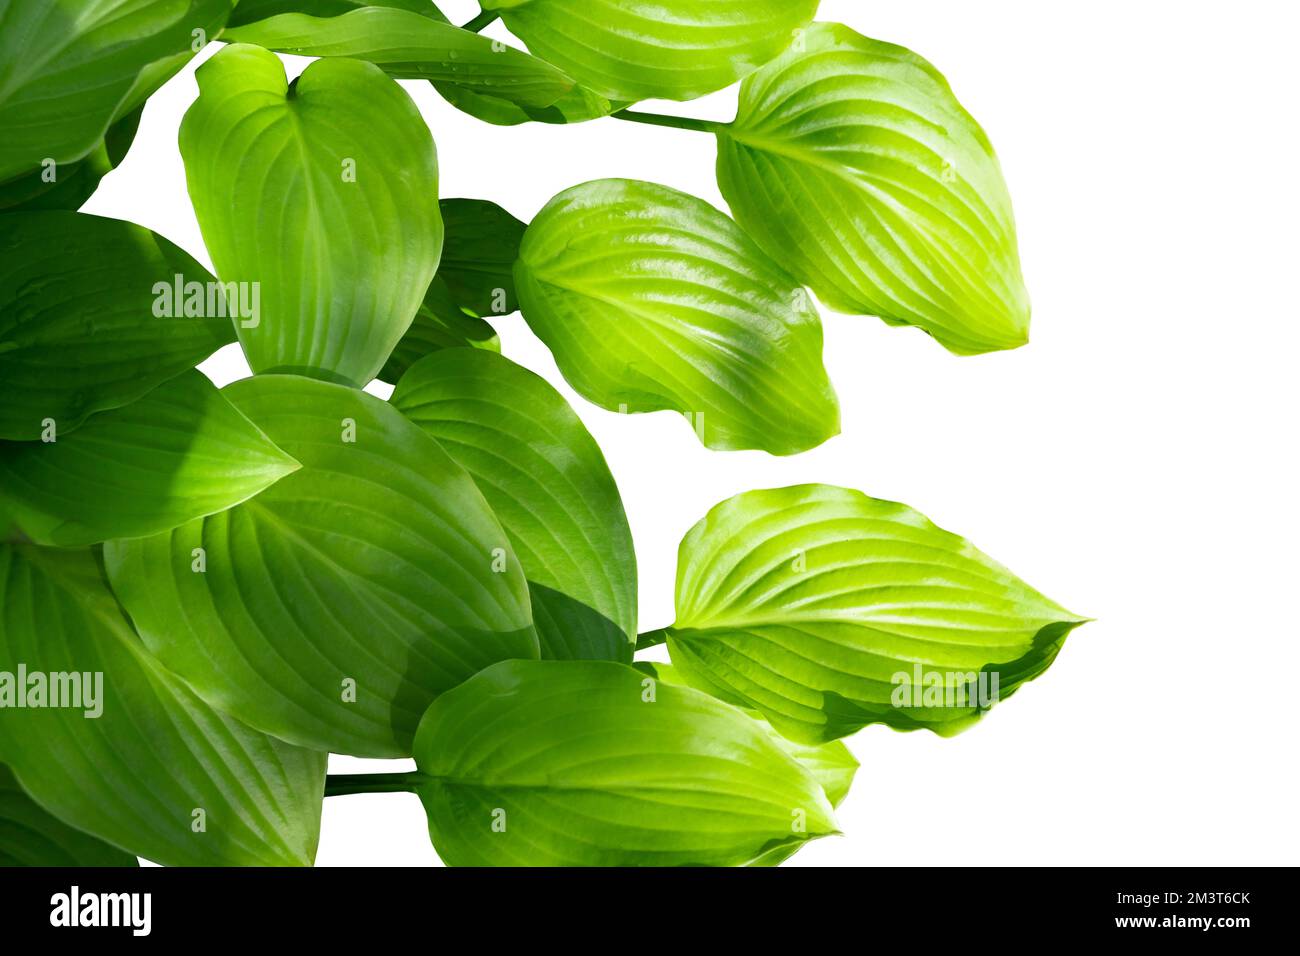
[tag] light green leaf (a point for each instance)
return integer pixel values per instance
(479, 255)
(76, 183)
(412, 47)
(344, 159)
(826, 610)
(439, 324)
(156, 761)
(333, 607)
(590, 763)
(83, 328)
(29, 836)
(547, 481)
(852, 161)
(179, 453)
(251, 11)
(70, 68)
(652, 299)
(655, 49)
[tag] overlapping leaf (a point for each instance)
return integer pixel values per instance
(852, 161)
(251, 11)
(826, 610)
(409, 46)
(439, 324)
(156, 772)
(347, 165)
(333, 607)
(70, 68)
(547, 481)
(89, 320)
(652, 299)
(69, 187)
(655, 49)
(179, 453)
(590, 763)
(29, 836)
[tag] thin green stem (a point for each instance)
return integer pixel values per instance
(676, 122)
(651, 638)
(343, 784)
(484, 18)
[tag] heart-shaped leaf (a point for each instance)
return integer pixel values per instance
(118, 747)
(547, 481)
(89, 318)
(655, 49)
(344, 159)
(652, 299)
(68, 187)
(69, 69)
(333, 607)
(412, 47)
(591, 763)
(853, 163)
(29, 836)
(825, 610)
(179, 453)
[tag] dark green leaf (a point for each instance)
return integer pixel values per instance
(439, 324)
(83, 326)
(333, 607)
(72, 185)
(250, 11)
(29, 836)
(179, 453)
(478, 257)
(591, 763)
(548, 483)
(156, 764)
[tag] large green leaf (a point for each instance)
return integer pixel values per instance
(179, 453)
(69, 187)
(826, 610)
(852, 161)
(29, 836)
(413, 47)
(547, 481)
(250, 11)
(591, 763)
(325, 194)
(333, 607)
(70, 68)
(82, 326)
(655, 49)
(157, 772)
(652, 299)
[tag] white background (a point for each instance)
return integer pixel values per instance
(1136, 462)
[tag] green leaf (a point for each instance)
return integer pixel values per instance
(250, 11)
(576, 106)
(76, 183)
(83, 328)
(439, 324)
(655, 49)
(29, 836)
(137, 774)
(826, 610)
(412, 47)
(179, 453)
(652, 299)
(853, 163)
(69, 69)
(547, 481)
(332, 608)
(344, 159)
(479, 255)
(590, 763)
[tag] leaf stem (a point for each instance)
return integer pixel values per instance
(651, 638)
(676, 122)
(344, 784)
(485, 18)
